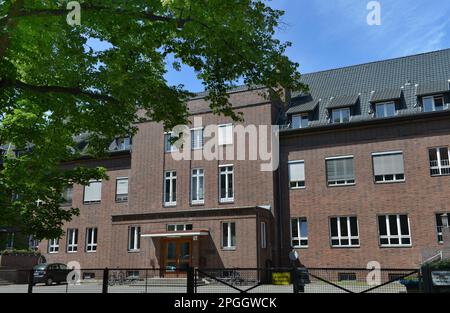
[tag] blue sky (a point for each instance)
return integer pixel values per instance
(327, 34)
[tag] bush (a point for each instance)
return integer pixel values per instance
(20, 252)
(444, 264)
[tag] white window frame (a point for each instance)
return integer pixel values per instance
(439, 229)
(196, 144)
(263, 235)
(341, 118)
(195, 179)
(91, 247)
(172, 182)
(349, 236)
(298, 184)
(396, 178)
(389, 237)
(169, 147)
(433, 98)
(301, 117)
(134, 232)
(439, 166)
(229, 244)
(226, 173)
(350, 182)
(121, 197)
(300, 238)
(53, 246)
(384, 105)
(223, 139)
(72, 240)
(33, 243)
(176, 226)
(99, 197)
(123, 143)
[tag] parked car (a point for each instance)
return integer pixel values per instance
(50, 273)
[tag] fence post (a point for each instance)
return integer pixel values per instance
(190, 280)
(105, 280)
(30, 281)
(427, 284)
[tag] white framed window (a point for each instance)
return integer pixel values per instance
(169, 146)
(134, 238)
(340, 171)
(72, 240)
(170, 188)
(225, 134)
(439, 161)
(385, 109)
(179, 227)
(198, 186)
(228, 235)
(388, 167)
(296, 174)
(394, 230)
(300, 121)
(299, 232)
(33, 243)
(263, 235)
(344, 231)
(341, 115)
(197, 138)
(93, 192)
(440, 226)
(91, 239)
(67, 196)
(53, 246)
(226, 183)
(433, 103)
(123, 143)
(122, 189)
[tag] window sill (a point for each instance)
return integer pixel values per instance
(91, 202)
(345, 185)
(170, 205)
(197, 203)
(440, 175)
(91, 251)
(297, 188)
(121, 201)
(396, 246)
(71, 252)
(229, 249)
(54, 252)
(390, 182)
(346, 247)
(134, 251)
(300, 247)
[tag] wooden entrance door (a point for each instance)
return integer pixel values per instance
(177, 253)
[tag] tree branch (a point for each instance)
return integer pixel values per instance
(74, 91)
(145, 15)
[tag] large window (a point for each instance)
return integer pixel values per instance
(340, 171)
(435, 103)
(394, 230)
(439, 161)
(340, 115)
(385, 109)
(198, 186)
(72, 240)
(228, 235)
(226, 183)
(344, 231)
(93, 192)
(299, 232)
(134, 238)
(440, 225)
(170, 188)
(300, 121)
(263, 235)
(388, 167)
(296, 174)
(53, 246)
(67, 196)
(122, 189)
(197, 138)
(225, 134)
(91, 240)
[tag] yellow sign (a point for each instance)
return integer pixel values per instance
(281, 278)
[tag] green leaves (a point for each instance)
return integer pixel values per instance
(55, 84)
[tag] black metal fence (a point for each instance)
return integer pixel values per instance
(223, 280)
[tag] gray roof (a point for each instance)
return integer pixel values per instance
(342, 101)
(382, 79)
(433, 87)
(303, 107)
(386, 95)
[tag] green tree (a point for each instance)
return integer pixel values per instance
(54, 85)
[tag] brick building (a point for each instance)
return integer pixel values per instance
(363, 176)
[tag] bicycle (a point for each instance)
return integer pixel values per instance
(116, 278)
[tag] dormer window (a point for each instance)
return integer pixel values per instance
(300, 121)
(385, 109)
(341, 115)
(433, 103)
